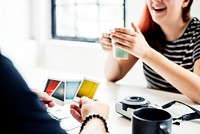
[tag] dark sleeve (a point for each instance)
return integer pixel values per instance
(22, 111)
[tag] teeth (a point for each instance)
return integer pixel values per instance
(159, 8)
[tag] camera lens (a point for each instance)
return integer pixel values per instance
(134, 100)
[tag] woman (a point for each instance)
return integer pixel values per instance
(168, 43)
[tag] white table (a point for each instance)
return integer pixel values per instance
(115, 92)
(112, 93)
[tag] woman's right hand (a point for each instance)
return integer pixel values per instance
(105, 42)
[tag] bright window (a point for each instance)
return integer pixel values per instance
(85, 20)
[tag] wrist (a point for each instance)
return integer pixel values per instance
(96, 122)
(148, 55)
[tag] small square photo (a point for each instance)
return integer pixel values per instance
(87, 88)
(51, 86)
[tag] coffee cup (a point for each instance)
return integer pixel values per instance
(119, 53)
(151, 121)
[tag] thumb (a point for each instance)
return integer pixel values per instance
(136, 28)
(76, 115)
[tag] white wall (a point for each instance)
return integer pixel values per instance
(15, 19)
(195, 10)
(15, 29)
(75, 56)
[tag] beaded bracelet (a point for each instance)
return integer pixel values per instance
(91, 117)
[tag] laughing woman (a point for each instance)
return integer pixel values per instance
(167, 41)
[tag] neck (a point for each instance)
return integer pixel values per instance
(174, 30)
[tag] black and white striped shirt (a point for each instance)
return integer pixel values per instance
(184, 51)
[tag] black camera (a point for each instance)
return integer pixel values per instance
(129, 104)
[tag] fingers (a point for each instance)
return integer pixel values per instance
(88, 106)
(75, 107)
(136, 28)
(45, 98)
(105, 42)
(84, 100)
(106, 35)
(76, 112)
(125, 37)
(126, 31)
(105, 39)
(50, 104)
(76, 115)
(121, 38)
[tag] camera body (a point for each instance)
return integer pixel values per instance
(131, 103)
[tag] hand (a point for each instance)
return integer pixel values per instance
(87, 107)
(45, 98)
(131, 40)
(105, 42)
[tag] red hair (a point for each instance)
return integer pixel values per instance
(146, 21)
(152, 31)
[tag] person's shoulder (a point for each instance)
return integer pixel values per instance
(195, 28)
(195, 21)
(194, 25)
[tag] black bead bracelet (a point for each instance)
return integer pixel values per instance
(91, 117)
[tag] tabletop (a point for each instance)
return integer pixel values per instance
(112, 93)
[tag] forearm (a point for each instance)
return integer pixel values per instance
(116, 69)
(185, 81)
(112, 69)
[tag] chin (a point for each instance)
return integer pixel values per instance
(159, 21)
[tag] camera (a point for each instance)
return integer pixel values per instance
(131, 103)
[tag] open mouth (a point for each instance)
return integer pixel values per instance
(159, 9)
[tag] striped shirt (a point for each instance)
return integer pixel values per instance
(184, 51)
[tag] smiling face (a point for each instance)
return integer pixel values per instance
(166, 11)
